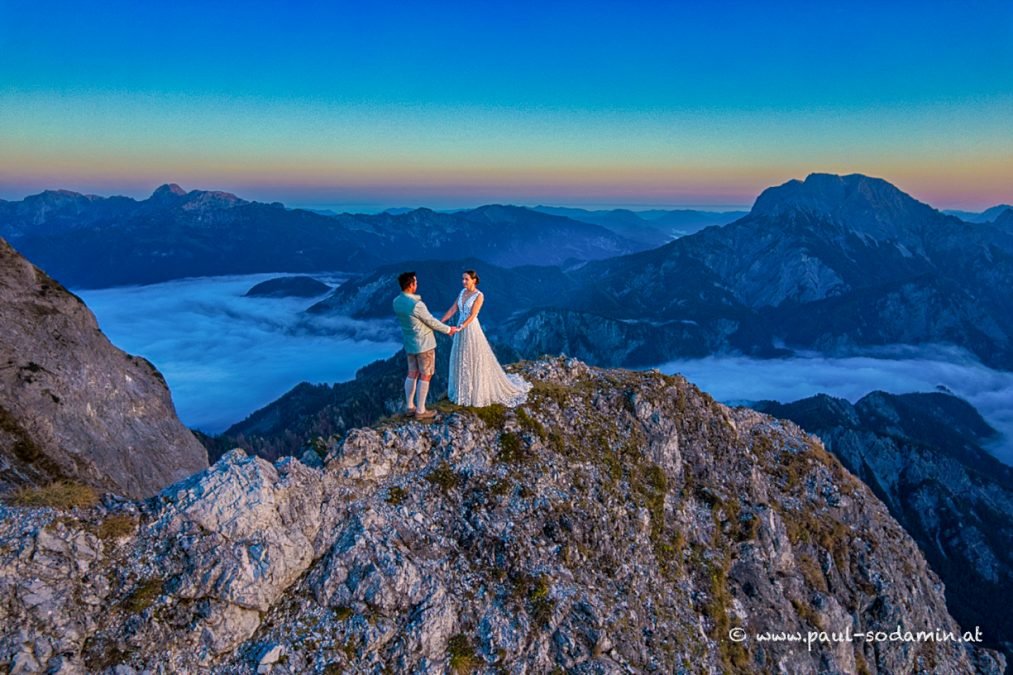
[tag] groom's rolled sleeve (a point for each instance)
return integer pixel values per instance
(421, 312)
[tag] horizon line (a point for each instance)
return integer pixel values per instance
(368, 206)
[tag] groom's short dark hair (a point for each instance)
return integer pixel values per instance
(405, 279)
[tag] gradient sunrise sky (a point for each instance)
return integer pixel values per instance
(368, 105)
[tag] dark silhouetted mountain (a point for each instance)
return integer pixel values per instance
(88, 241)
(284, 287)
(172, 234)
(654, 227)
(170, 192)
(923, 455)
(987, 216)
(605, 340)
(73, 406)
(502, 235)
(830, 263)
(1004, 221)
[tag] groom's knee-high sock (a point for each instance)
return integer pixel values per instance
(423, 391)
(409, 391)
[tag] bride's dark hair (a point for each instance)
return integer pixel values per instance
(473, 274)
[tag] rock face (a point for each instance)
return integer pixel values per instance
(922, 455)
(617, 522)
(74, 406)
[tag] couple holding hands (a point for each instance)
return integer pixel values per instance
(476, 377)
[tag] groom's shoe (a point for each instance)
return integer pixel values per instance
(410, 412)
(425, 416)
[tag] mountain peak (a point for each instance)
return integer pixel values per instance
(993, 213)
(824, 191)
(1005, 219)
(167, 190)
(611, 511)
(865, 204)
(56, 196)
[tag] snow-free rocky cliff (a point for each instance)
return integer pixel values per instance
(72, 405)
(617, 522)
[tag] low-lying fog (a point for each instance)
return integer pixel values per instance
(225, 355)
(898, 370)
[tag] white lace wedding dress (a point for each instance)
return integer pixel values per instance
(476, 378)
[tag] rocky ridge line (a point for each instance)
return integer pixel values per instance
(618, 522)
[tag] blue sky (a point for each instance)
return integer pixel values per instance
(453, 104)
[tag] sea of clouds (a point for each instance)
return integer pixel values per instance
(898, 370)
(225, 355)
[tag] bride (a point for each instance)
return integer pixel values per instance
(476, 378)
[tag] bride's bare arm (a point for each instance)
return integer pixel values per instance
(450, 312)
(477, 305)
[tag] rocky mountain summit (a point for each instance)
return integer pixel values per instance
(924, 456)
(73, 406)
(617, 522)
(309, 412)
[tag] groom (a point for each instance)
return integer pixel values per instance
(417, 326)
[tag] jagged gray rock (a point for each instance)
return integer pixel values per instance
(617, 522)
(923, 455)
(74, 406)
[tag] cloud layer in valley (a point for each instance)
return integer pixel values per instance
(898, 370)
(225, 355)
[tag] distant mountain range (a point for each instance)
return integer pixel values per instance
(87, 241)
(987, 216)
(654, 227)
(832, 263)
